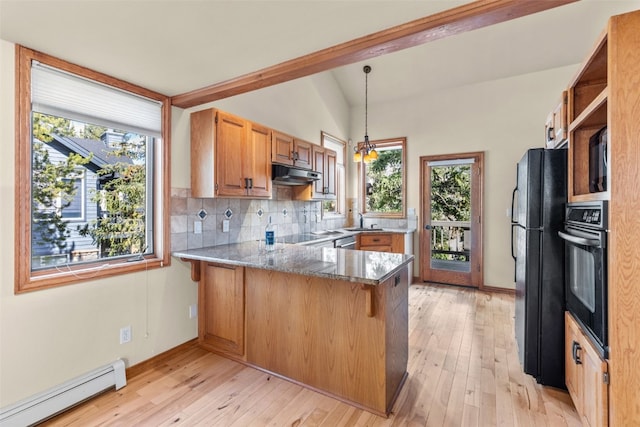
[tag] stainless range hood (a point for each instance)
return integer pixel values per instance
(287, 175)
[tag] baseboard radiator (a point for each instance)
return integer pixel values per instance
(53, 401)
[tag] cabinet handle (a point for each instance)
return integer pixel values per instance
(550, 133)
(574, 353)
(376, 240)
(396, 280)
(294, 154)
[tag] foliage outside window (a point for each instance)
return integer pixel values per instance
(94, 185)
(382, 189)
(336, 207)
(450, 211)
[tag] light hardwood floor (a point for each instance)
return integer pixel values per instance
(463, 371)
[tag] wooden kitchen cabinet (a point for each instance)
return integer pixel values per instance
(230, 156)
(380, 242)
(325, 162)
(346, 339)
(588, 97)
(605, 91)
(288, 150)
(221, 302)
(556, 126)
(586, 376)
(329, 173)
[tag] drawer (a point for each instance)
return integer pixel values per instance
(375, 248)
(375, 239)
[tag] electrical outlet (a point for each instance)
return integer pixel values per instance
(193, 311)
(225, 225)
(125, 334)
(197, 227)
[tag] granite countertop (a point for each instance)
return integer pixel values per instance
(330, 235)
(366, 267)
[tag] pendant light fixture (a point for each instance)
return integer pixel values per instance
(366, 151)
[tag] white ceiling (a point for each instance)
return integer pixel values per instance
(174, 46)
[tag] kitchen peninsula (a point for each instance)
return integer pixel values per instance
(334, 320)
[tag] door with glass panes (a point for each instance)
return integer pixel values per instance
(451, 229)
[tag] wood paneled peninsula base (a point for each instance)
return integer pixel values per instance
(334, 320)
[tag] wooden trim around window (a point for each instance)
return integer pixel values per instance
(361, 177)
(341, 197)
(25, 279)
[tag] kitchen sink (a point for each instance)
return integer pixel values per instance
(363, 229)
(326, 232)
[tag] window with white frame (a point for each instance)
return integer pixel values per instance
(93, 158)
(71, 206)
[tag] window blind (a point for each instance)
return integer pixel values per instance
(452, 162)
(63, 94)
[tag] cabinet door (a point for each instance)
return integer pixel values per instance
(258, 160)
(231, 135)
(573, 377)
(221, 308)
(556, 126)
(329, 174)
(585, 376)
(302, 152)
(594, 389)
(319, 166)
(281, 148)
(203, 153)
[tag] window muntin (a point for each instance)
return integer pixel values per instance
(145, 120)
(383, 181)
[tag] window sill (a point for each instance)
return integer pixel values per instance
(65, 275)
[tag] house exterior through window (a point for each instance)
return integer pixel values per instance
(93, 153)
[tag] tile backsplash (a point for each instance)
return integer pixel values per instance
(247, 218)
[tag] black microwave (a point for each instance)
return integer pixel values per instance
(598, 161)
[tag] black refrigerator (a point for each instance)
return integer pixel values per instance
(538, 210)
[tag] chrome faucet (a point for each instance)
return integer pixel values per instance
(361, 220)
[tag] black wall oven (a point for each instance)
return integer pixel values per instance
(585, 236)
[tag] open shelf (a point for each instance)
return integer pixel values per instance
(588, 113)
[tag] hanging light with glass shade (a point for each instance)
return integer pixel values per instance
(366, 151)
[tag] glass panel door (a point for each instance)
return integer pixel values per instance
(451, 249)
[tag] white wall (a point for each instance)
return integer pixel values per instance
(503, 118)
(49, 336)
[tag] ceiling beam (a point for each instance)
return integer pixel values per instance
(468, 17)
